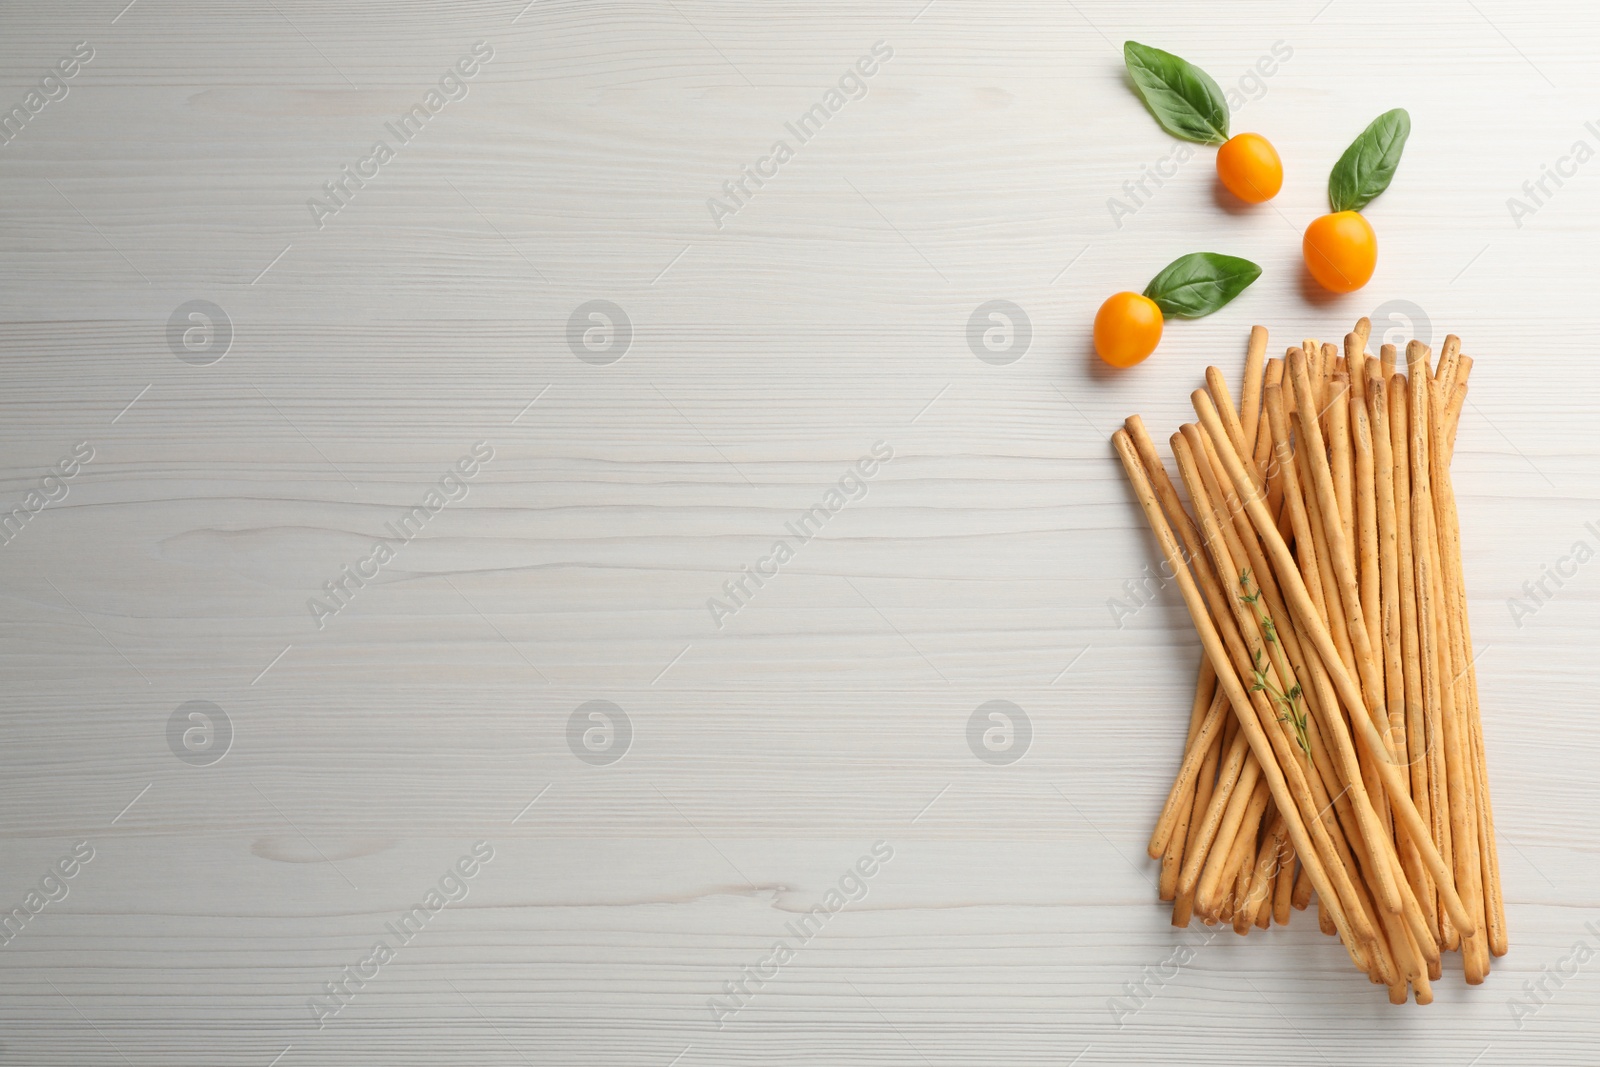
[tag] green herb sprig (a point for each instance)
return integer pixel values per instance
(1288, 703)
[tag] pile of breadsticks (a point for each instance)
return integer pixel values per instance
(1335, 728)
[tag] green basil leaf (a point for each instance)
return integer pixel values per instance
(1368, 165)
(1201, 282)
(1181, 96)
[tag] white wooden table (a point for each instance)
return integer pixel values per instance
(348, 359)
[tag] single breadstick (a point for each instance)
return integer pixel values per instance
(1250, 395)
(1245, 712)
(1363, 330)
(1339, 456)
(1367, 522)
(1218, 872)
(1172, 856)
(1217, 385)
(1300, 602)
(1387, 607)
(1283, 889)
(1183, 904)
(1320, 375)
(1458, 398)
(1355, 357)
(1389, 356)
(1448, 354)
(1300, 898)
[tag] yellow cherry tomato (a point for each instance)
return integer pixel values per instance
(1341, 251)
(1249, 168)
(1126, 329)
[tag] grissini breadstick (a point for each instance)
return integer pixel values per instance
(1355, 357)
(1183, 903)
(1208, 896)
(1349, 691)
(1172, 855)
(1223, 401)
(1365, 451)
(1387, 610)
(1228, 678)
(1300, 898)
(1449, 352)
(1341, 461)
(1388, 357)
(1283, 889)
(1458, 397)
(1250, 393)
(1330, 367)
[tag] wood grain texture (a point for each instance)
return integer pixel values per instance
(832, 711)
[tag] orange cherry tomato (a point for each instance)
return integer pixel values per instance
(1341, 251)
(1126, 329)
(1249, 168)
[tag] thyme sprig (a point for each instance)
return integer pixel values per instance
(1288, 703)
